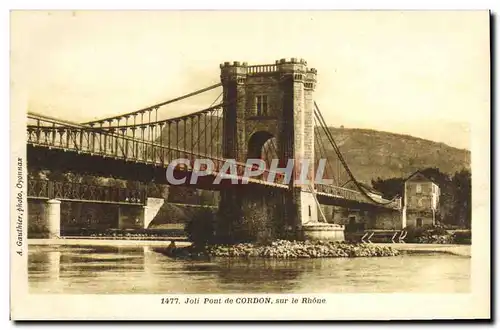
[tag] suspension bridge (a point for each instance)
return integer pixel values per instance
(262, 111)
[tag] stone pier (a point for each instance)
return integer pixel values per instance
(251, 214)
(53, 216)
(44, 218)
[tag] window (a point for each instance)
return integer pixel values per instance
(309, 210)
(262, 105)
(419, 188)
(419, 222)
(352, 220)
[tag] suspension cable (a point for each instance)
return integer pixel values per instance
(205, 111)
(318, 115)
(205, 123)
(216, 131)
(321, 146)
(155, 106)
(166, 121)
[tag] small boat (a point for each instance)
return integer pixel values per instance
(172, 251)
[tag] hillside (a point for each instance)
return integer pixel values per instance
(371, 154)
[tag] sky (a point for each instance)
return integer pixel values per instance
(420, 73)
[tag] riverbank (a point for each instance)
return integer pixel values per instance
(106, 242)
(455, 249)
(460, 250)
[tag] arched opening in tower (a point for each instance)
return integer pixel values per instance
(263, 145)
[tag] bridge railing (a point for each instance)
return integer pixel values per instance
(75, 191)
(350, 194)
(339, 191)
(52, 133)
(109, 143)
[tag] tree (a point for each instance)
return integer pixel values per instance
(461, 210)
(90, 179)
(154, 190)
(207, 197)
(436, 175)
(57, 176)
(183, 195)
(133, 185)
(389, 187)
(200, 228)
(116, 183)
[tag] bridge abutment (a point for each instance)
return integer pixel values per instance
(139, 217)
(387, 219)
(49, 219)
(150, 210)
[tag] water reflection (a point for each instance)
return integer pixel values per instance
(115, 269)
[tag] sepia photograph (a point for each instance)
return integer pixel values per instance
(226, 161)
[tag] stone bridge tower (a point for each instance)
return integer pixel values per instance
(264, 102)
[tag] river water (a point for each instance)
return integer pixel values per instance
(114, 269)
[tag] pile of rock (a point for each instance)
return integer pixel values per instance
(301, 249)
(435, 239)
